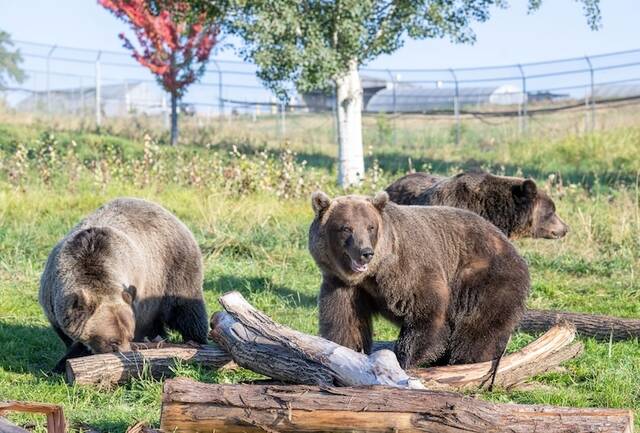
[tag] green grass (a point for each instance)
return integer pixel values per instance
(251, 223)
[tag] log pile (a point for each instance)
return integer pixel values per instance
(337, 389)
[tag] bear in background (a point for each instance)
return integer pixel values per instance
(123, 274)
(514, 205)
(451, 280)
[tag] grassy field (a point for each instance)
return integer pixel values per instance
(247, 204)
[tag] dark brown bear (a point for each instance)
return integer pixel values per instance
(124, 273)
(514, 205)
(450, 279)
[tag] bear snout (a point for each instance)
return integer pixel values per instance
(366, 254)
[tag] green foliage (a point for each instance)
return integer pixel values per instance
(9, 61)
(309, 43)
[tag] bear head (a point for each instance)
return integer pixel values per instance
(346, 231)
(98, 308)
(107, 324)
(541, 219)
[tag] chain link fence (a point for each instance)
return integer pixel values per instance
(408, 107)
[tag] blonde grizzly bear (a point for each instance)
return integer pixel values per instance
(450, 279)
(126, 272)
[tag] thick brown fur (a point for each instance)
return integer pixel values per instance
(514, 205)
(126, 272)
(450, 279)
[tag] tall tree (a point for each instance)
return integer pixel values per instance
(9, 61)
(174, 43)
(314, 43)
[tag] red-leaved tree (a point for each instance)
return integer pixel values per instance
(173, 44)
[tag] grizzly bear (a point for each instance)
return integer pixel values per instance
(514, 205)
(451, 280)
(122, 274)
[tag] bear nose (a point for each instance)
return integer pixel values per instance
(366, 254)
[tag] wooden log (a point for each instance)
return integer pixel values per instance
(604, 328)
(540, 356)
(259, 344)
(189, 406)
(155, 359)
(54, 413)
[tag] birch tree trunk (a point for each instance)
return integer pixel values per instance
(349, 120)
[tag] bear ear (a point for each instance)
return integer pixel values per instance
(129, 294)
(380, 200)
(526, 191)
(80, 302)
(320, 202)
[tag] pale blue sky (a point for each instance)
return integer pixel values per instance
(558, 30)
(511, 36)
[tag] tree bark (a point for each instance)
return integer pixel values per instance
(349, 107)
(155, 359)
(259, 344)
(174, 119)
(600, 327)
(189, 406)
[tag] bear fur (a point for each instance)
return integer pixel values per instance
(451, 280)
(514, 205)
(122, 274)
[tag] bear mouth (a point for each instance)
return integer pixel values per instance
(358, 268)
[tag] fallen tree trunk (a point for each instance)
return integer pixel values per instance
(54, 413)
(542, 355)
(259, 344)
(155, 359)
(189, 406)
(588, 325)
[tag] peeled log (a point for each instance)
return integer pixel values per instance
(541, 356)
(261, 345)
(110, 369)
(258, 343)
(189, 406)
(601, 327)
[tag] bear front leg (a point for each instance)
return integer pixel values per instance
(189, 318)
(422, 342)
(345, 315)
(76, 350)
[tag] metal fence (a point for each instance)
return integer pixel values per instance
(102, 85)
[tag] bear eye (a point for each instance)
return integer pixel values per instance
(370, 228)
(345, 229)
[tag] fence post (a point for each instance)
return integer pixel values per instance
(98, 95)
(524, 102)
(395, 106)
(592, 99)
(456, 104)
(49, 54)
(283, 117)
(220, 87)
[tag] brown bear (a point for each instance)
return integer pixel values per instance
(122, 274)
(514, 205)
(451, 280)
